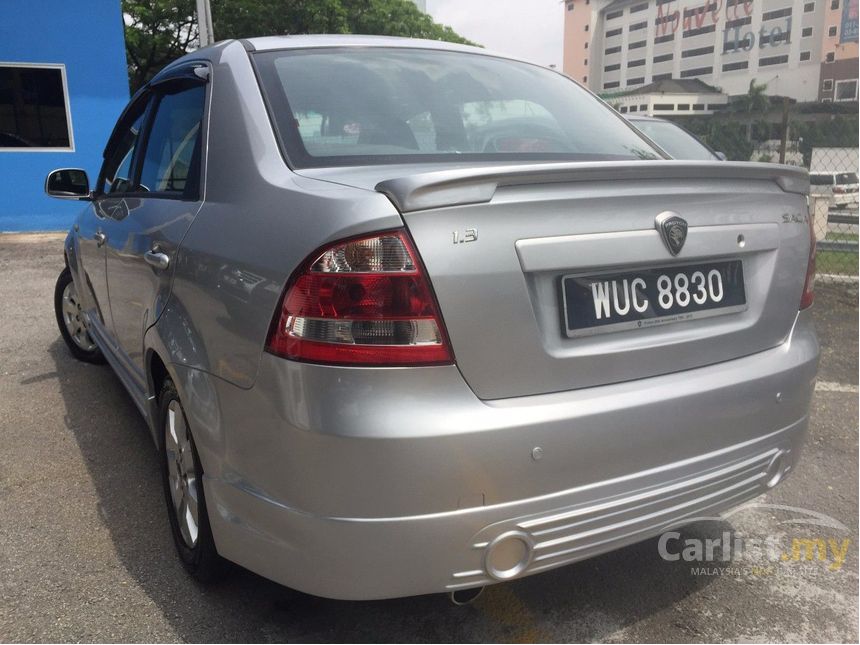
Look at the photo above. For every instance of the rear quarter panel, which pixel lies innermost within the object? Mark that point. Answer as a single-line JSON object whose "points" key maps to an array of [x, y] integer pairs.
{"points": [[258, 222]]}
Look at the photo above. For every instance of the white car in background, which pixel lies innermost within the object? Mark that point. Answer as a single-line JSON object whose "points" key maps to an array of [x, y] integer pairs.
{"points": [[842, 187]]}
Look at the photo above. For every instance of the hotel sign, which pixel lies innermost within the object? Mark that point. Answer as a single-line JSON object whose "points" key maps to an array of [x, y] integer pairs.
{"points": [[712, 12], [848, 31]]}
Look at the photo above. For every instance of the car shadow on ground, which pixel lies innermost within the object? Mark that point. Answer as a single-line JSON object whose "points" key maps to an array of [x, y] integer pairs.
{"points": [[583, 602]]}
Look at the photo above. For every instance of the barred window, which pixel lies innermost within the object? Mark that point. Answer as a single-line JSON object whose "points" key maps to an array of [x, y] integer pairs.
{"points": [[778, 13], [699, 51], [740, 22], [772, 60], [701, 30], [698, 71]]}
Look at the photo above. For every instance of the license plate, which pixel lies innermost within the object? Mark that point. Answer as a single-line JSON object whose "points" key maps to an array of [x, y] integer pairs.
{"points": [[608, 302]]}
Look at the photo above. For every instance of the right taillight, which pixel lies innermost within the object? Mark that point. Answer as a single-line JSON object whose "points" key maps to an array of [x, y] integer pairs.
{"points": [[363, 301], [809, 283]]}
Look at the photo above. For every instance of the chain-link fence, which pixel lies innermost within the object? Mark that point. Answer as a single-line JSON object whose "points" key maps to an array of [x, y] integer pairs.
{"points": [[821, 137], [832, 202]]}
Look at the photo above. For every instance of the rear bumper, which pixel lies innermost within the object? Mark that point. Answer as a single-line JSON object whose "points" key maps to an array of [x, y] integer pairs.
{"points": [[845, 199], [405, 487]]}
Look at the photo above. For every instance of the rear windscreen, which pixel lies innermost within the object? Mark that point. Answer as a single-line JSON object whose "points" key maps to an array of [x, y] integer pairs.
{"points": [[350, 106]]}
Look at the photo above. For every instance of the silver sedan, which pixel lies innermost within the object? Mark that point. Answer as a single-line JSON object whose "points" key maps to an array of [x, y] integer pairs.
{"points": [[406, 317]]}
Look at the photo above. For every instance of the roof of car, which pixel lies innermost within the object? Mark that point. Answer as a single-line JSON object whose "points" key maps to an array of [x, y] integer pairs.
{"points": [[305, 41], [311, 41]]}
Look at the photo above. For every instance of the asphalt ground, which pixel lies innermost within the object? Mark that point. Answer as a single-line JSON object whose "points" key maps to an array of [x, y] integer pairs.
{"points": [[85, 552]]}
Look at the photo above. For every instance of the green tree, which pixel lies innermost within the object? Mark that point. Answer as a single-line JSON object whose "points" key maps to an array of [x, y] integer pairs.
{"points": [[158, 31], [837, 132], [728, 137], [755, 101]]}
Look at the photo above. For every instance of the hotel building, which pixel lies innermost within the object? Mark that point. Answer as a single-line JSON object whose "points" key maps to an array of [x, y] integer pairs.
{"points": [[804, 49]]}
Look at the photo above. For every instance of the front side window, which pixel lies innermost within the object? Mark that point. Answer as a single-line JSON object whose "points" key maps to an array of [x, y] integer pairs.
{"points": [[116, 175], [348, 106], [820, 179], [172, 144], [33, 108], [846, 90]]}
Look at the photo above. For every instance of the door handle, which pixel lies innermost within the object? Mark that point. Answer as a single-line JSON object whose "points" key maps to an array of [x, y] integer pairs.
{"points": [[157, 259], [100, 238]]}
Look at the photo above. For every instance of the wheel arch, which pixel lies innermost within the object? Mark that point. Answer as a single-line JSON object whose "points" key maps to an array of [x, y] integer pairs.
{"points": [[196, 391]]}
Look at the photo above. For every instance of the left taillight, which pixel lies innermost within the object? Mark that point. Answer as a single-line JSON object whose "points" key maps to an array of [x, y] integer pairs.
{"points": [[362, 301], [808, 296]]}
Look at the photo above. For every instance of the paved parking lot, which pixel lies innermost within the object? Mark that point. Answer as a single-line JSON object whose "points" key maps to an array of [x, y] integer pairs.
{"points": [[85, 552]]}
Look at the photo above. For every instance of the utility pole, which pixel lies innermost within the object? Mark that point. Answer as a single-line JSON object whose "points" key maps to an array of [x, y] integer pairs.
{"points": [[204, 23], [784, 137]]}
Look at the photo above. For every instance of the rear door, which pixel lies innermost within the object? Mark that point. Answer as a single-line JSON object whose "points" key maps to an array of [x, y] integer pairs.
{"points": [[156, 213]]}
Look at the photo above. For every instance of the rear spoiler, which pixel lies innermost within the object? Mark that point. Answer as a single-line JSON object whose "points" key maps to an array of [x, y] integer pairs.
{"points": [[478, 185]]}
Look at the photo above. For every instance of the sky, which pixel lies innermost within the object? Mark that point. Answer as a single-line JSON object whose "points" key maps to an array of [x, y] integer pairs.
{"points": [[528, 29]]}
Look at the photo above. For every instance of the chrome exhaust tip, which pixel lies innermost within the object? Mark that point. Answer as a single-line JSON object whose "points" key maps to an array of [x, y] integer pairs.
{"points": [[462, 597]]}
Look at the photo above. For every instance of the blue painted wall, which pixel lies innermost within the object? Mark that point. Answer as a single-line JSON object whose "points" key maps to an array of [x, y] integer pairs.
{"points": [[87, 37]]}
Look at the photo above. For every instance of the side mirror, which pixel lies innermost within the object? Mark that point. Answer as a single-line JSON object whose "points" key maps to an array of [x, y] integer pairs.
{"points": [[721, 155], [68, 183]]}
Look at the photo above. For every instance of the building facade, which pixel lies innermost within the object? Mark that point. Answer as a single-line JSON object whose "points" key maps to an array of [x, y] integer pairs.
{"points": [[838, 76], [678, 97], [784, 44], [63, 83]]}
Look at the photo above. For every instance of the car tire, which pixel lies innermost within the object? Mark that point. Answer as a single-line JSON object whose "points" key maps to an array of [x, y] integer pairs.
{"points": [[182, 476], [70, 320]]}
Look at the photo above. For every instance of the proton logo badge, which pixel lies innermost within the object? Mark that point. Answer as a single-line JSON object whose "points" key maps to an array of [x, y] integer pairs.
{"points": [[673, 230]]}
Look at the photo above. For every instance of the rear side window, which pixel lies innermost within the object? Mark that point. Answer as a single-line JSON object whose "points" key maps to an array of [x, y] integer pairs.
{"points": [[818, 179], [344, 106], [172, 147], [846, 178]]}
